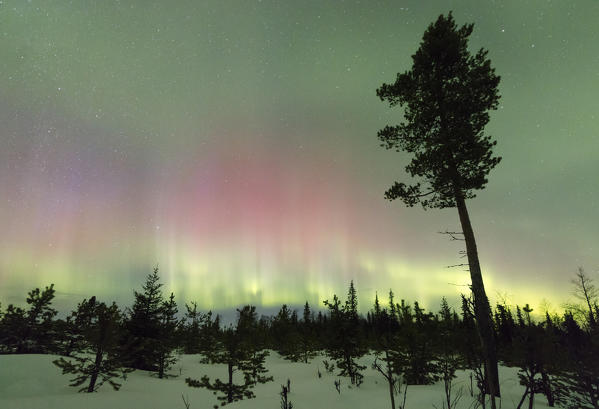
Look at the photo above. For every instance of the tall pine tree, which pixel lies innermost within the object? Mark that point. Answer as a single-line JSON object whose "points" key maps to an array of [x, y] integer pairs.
{"points": [[446, 98]]}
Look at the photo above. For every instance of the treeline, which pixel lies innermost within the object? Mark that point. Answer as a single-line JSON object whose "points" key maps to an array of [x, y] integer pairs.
{"points": [[557, 356]]}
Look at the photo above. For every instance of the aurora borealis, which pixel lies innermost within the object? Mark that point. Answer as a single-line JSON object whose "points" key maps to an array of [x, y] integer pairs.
{"points": [[233, 143]]}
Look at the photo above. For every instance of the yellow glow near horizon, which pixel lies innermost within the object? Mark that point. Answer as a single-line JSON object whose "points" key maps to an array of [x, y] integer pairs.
{"points": [[217, 282]]}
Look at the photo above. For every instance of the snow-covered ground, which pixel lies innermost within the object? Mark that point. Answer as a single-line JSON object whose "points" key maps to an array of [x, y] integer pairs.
{"points": [[33, 382]]}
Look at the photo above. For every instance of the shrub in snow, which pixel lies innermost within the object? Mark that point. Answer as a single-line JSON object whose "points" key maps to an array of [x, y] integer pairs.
{"points": [[329, 367], [285, 402], [238, 350]]}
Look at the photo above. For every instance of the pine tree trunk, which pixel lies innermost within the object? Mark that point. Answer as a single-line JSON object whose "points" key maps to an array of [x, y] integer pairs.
{"points": [[350, 371], [481, 302], [447, 384], [547, 387], [390, 380], [522, 399], [96, 371], [230, 385], [531, 399], [161, 366]]}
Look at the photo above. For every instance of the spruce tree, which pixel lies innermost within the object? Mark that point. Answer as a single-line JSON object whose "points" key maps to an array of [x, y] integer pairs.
{"points": [[446, 98], [448, 359], [199, 332], [416, 335], [209, 332], [471, 349], [506, 330], [167, 339], [577, 383], [307, 336], [96, 358], [254, 341], [345, 344], [285, 332], [388, 356], [144, 326], [531, 349], [392, 306], [552, 358], [192, 333]]}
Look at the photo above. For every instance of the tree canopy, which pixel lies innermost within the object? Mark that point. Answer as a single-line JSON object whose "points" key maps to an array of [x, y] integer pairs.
{"points": [[446, 96]]}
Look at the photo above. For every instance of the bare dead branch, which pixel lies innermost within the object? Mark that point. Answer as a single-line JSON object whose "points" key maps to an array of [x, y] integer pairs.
{"points": [[459, 285], [453, 235], [458, 265]]}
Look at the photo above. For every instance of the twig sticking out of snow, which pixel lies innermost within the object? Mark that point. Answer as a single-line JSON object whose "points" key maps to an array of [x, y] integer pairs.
{"points": [[185, 401]]}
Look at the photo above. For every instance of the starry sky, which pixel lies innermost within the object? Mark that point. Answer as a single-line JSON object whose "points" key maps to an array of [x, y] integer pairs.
{"points": [[233, 144]]}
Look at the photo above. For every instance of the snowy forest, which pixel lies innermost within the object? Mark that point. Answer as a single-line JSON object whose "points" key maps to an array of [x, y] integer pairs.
{"points": [[274, 202], [556, 356]]}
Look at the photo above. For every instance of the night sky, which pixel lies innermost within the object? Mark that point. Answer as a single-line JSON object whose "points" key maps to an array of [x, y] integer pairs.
{"points": [[233, 144]]}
